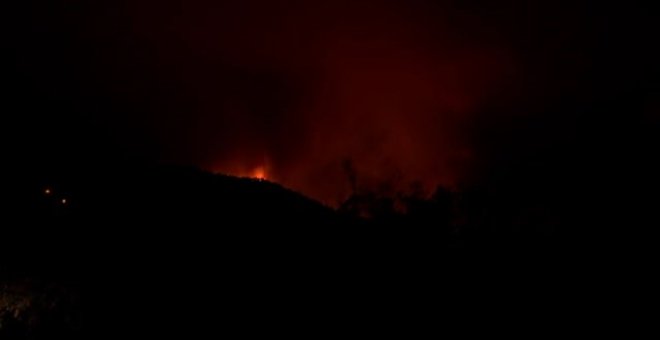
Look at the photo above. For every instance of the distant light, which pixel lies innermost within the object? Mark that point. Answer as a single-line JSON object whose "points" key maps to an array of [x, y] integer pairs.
{"points": [[48, 191], [64, 201], [259, 173]]}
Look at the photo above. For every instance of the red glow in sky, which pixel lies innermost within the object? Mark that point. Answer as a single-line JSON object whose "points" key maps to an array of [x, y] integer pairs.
{"points": [[383, 88], [379, 85], [337, 95], [259, 173]]}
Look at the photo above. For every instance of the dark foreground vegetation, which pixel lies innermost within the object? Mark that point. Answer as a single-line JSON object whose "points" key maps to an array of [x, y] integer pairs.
{"points": [[169, 250]]}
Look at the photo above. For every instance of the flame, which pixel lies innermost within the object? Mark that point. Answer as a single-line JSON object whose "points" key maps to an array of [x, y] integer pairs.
{"points": [[259, 173]]}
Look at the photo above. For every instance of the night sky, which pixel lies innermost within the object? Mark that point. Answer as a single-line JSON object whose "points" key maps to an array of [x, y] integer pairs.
{"points": [[332, 96]]}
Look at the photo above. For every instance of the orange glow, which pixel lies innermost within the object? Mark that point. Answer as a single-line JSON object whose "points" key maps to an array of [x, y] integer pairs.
{"points": [[259, 173], [256, 172], [48, 191], [64, 201]]}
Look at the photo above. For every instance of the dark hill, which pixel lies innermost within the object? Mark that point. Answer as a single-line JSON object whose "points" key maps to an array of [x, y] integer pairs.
{"points": [[164, 251], [157, 245], [110, 214]]}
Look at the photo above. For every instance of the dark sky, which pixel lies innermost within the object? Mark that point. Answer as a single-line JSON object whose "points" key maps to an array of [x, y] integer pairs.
{"points": [[314, 92]]}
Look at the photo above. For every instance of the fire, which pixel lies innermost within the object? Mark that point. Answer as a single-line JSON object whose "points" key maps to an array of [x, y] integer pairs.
{"points": [[259, 173]]}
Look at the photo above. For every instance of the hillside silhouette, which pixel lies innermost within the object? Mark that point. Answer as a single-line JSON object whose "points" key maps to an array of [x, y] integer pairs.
{"points": [[131, 250], [146, 244]]}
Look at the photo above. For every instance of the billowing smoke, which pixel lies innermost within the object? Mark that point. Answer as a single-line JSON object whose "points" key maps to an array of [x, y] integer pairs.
{"points": [[302, 90], [329, 97]]}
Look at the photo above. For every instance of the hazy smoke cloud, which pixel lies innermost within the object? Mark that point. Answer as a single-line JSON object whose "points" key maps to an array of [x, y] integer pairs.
{"points": [[301, 88], [328, 97]]}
